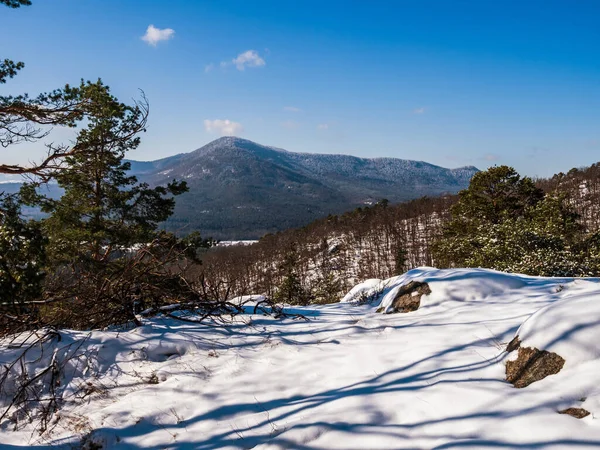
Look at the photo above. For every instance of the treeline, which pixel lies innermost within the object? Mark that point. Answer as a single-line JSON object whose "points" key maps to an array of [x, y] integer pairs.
{"points": [[506, 222], [581, 186], [541, 227], [330, 255]]}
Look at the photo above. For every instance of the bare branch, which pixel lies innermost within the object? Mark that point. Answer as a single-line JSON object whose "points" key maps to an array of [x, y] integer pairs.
{"points": [[17, 121]]}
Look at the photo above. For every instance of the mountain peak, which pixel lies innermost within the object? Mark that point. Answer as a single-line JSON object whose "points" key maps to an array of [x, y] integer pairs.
{"points": [[228, 144], [229, 140], [241, 189]]}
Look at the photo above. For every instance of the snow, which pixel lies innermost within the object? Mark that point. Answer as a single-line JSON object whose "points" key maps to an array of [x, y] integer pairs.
{"points": [[569, 327], [248, 300], [459, 285], [345, 376], [234, 243], [364, 291]]}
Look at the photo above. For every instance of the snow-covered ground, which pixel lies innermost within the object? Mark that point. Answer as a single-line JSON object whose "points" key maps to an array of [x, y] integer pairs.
{"points": [[347, 377], [234, 243]]}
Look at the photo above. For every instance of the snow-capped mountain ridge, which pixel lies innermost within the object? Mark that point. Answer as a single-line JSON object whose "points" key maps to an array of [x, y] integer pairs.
{"points": [[282, 189]]}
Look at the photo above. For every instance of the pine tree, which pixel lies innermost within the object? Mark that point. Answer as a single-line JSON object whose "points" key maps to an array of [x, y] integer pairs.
{"points": [[22, 257], [15, 3], [504, 222], [495, 194], [328, 288], [106, 256], [400, 260], [291, 290], [104, 210]]}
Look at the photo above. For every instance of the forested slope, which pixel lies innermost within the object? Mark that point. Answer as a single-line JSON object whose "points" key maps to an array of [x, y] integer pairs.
{"points": [[330, 255]]}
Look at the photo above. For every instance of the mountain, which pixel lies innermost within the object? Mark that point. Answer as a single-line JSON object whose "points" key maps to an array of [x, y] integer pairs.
{"points": [[240, 189]]}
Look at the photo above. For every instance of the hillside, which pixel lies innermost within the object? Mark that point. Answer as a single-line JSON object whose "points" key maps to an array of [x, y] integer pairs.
{"points": [[370, 242], [346, 377], [242, 190]]}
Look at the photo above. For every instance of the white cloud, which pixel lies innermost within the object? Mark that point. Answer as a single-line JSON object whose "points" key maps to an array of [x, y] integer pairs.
{"points": [[491, 157], [420, 110], [291, 109], [154, 35], [223, 127], [249, 58], [323, 126]]}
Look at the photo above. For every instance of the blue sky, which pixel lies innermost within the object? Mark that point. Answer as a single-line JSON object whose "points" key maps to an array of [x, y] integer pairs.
{"points": [[449, 82]]}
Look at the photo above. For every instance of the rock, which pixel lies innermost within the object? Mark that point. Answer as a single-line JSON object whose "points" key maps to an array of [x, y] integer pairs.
{"points": [[531, 364], [513, 345], [408, 297], [578, 413]]}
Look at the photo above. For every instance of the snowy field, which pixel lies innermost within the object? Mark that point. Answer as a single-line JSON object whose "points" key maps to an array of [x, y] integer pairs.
{"points": [[347, 377]]}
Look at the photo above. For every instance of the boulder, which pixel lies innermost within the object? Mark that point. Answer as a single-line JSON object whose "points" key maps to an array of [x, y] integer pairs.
{"points": [[578, 413], [408, 297], [531, 364]]}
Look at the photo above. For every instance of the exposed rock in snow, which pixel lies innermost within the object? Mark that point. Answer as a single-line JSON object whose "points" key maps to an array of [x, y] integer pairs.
{"points": [[408, 297], [569, 326], [578, 413], [563, 333], [451, 286], [532, 365]]}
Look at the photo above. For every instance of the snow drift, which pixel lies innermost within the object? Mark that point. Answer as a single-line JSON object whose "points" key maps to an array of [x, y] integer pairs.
{"points": [[344, 376]]}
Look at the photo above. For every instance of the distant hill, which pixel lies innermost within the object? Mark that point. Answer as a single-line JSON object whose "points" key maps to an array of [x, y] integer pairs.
{"points": [[242, 190]]}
